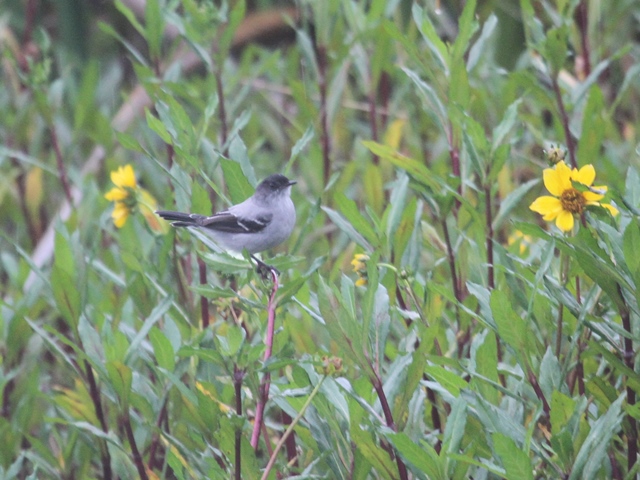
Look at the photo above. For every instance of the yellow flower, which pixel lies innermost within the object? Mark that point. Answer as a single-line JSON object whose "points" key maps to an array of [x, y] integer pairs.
{"points": [[523, 240], [568, 201], [123, 194], [359, 264], [128, 198]]}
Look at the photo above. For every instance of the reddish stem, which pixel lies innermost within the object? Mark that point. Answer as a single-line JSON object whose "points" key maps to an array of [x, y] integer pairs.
{"points": [[263, 391]]}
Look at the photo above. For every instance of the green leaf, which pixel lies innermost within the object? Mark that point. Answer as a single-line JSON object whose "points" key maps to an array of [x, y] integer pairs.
{"points": [[454, 429], [130, 16], [200, 200], [501, 131], [594, 449], [238, 152], [415, 169], [467, 27], [344, 225], [422, 457], [235, 180], [155, 315], [225, 263], [120, 376], [374, 454], [515, 461], [450, 381], [511, 201], [594, 127], [479, 48], [155, 27], [129, 142], [373, 188], [555, 48], [162, 349], [562, 409], [349, 209], [459, 88], [562, 444], [66, 295], [486, 360], [430, 98], [343, 327], [435, 45], [157, 126], [511, 327], [598, 266], [300, 145], [630, 243], [228, 31]]}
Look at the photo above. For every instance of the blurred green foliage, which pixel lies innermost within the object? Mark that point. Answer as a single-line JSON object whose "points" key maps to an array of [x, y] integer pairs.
{"points": [[471, 340]]}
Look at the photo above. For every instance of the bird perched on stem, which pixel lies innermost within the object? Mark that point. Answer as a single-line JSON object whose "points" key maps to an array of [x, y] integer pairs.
{"points": [[261, 222]]}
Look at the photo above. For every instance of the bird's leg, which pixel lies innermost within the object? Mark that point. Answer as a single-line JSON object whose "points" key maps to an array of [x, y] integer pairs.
{"points": [[264, 269]]}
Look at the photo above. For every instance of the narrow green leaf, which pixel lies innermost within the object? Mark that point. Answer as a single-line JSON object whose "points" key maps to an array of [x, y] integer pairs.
{"points": [[120, 376], [435, 45], [429, 98], [415, 169], [349, 209], [129, 142], [515, 461], [422, 457], [66, 295], [555, 48], [479, 47], [155, 27], [506, 124], [155, 315], [374, 454], [162, 349], [130, 16], [238, 152], [157, 126], [562, 409], [344, 225], [594, 127], [511, 201], [373, 188], [511, 327], [467, 27], [450, 381], [631, 241], [239, 188], [594, 449]]}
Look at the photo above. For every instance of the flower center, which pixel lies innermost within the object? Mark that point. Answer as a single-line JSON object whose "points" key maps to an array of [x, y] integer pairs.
{"points": [[572, 201]]}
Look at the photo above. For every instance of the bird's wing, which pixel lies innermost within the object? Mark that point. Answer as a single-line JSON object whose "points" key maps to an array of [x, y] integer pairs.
{"points": [[230, 223]]}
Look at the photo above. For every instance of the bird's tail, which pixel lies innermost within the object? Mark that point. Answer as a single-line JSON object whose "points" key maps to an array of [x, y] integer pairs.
{"points": [[179, 219]]}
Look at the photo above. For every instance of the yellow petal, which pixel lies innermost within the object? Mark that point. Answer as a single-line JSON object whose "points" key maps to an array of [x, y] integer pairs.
{"points": [[614, 211], [116, 194], [361, 282], [546, 205], [393, 134], [565, 221], [557, 179], [120, 214], [124, 177], [591, 197], [586, 175]]}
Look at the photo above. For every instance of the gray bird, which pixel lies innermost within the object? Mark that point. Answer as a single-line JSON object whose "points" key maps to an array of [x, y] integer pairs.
{"points": [[261, 222]]}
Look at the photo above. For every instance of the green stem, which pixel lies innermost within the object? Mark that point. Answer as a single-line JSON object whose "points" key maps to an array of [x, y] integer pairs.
{"points": [[290, 428]]}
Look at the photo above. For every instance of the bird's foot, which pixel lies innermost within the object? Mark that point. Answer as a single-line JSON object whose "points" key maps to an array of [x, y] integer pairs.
{"points": [[263, 269]]}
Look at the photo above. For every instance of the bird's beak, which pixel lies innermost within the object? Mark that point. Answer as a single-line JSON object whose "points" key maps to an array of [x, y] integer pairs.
{"points": [[292, 182]]}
